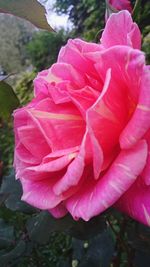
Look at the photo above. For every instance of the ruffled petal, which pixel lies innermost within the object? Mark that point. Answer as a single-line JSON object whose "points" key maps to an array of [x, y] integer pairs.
{"points": [[140, 121], [74, 171], [67, 72], [96, 196], [40, 194], [57, 121], [120, 30]]}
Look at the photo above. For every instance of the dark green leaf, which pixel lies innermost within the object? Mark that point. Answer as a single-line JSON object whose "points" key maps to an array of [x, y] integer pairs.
{"points": [[85, 230], [78, 249], [40, 227], [142, 259], [137, 10], [100, 251], [28, 9], [3, 197], [16, 253], [13, 188], [6, 234], [8, 100]]}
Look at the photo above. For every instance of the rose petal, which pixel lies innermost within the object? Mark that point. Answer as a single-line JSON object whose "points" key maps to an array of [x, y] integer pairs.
{"points": [[140, 121], [65, 118], [95, 197], [74, 171], [40, 194], [121, 4], [59, 211], [120, 30], [136, 202], [67, 72]]}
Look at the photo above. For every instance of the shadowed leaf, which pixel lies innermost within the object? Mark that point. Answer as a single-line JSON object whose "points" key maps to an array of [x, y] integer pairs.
{"points": [[27, 9], [8, 100]]}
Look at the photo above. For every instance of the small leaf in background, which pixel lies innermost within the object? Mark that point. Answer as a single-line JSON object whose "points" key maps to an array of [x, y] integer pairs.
{"points": [[27, 9], [8, 100], [13, 189], [137, 10], [6, 235]]}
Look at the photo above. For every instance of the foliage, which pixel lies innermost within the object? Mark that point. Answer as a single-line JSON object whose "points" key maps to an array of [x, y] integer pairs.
{"points": [[87, 16], [44, 47], [141, 13], [6, 145], [146, 44], [13, 56], [24, 87], [8, 100]]}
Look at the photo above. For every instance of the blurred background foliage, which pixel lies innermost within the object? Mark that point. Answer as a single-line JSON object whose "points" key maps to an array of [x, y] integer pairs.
{"points": [[44, 47], [25, 50]]}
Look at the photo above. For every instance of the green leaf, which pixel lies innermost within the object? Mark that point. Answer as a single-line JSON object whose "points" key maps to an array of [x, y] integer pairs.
{"points": [[3, 197], [27, 9], [8, 100], [6, 234], [137, 10], [85, 230], [13, 189], [16, 253], [41, 226], [100, 251]]}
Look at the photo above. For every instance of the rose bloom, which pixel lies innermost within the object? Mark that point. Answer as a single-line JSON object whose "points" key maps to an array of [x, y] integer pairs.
{"points": [[121, 4], [83, 142]]}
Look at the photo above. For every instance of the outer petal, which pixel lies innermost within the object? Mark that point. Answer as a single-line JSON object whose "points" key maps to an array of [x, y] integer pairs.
{"points": [[59, 211], [94, 197], [139, 124], [136, 202], [120, 30], [40, 194], [146, 173]]}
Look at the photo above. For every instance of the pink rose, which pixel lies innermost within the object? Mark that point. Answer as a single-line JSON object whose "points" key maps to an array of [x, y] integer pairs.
{"points": [[83, 142]]}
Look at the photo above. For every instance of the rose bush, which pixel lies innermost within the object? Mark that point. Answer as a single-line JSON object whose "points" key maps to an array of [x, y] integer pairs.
{"points": [[83, 142]]}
